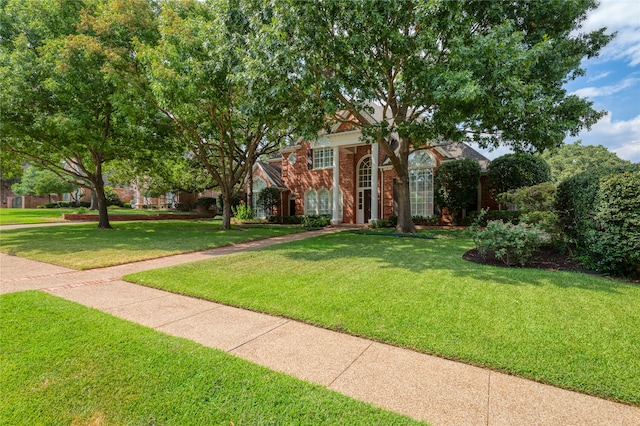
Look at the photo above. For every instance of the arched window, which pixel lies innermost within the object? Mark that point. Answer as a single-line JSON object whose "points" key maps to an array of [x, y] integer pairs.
{"points": [[310, 202], [364, 173], [324, 201], [421, 164], [258, 185]]}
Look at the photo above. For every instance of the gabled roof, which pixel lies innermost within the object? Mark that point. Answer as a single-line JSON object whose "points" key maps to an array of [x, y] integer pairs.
{"points": [[460, 150], [272, 172]]}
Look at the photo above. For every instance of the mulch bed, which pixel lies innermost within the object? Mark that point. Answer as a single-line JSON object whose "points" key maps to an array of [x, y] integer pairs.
{"points": [[548, 258]]}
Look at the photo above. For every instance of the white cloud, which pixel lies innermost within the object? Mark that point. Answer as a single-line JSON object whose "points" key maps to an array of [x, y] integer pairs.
{"points": [[599, 76], [593, 92], [621, 137], [621, 16]]}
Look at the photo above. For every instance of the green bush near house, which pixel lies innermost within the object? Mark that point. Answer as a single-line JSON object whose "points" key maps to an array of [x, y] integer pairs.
{"points": [[599, 210], [513, 244], [316, 221]]}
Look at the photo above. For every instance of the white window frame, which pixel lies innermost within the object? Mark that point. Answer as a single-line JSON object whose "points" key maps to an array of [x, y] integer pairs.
{"points": [[310, 201], [323, 158], [421, 194]]}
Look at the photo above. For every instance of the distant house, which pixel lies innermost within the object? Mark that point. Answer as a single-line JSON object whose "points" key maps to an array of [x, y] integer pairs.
{"points": [[338, 170]]}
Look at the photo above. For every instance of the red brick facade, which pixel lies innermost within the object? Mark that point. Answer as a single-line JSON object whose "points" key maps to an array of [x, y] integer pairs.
{"points": [[298, 177]]}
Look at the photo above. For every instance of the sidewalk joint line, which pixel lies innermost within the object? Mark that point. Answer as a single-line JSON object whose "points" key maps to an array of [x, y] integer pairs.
{"points": [[258, 336], [350, 364], [184, 318]]}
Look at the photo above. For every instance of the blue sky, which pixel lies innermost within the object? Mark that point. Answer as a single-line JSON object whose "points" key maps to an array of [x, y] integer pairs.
{"points": [[612, 81]]}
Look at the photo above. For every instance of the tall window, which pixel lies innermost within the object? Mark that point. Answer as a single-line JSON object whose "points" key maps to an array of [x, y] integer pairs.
{"points": [[310, 202], [322, 158], [421, 165], [324, 201], [321, 202], [258, 185]]}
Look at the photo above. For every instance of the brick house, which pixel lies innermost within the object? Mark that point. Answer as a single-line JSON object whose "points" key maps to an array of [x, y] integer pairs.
{"points": [[339, 175]]}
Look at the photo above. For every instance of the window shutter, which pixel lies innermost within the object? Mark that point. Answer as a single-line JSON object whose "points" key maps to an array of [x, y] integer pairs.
{"points": [[310, 159]]}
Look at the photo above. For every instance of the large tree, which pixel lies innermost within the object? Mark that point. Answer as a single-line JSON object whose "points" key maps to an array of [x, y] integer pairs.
{"points": [[571, 159], [66, 103], [490, 72], [224, 80], [39, 182]]}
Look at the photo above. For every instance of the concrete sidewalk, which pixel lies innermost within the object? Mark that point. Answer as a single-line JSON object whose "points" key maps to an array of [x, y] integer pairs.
{"points": [[439, 391]]}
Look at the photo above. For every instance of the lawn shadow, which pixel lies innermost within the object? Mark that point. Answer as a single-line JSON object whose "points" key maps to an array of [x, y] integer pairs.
{"points": [[433, 251]]}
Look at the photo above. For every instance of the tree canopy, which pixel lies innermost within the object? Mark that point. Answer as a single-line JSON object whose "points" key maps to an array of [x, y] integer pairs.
{"points": [[456, 185], [224, 81], [490, 72], [513, 171], [571, 159], [36, 181], [68, 103]]}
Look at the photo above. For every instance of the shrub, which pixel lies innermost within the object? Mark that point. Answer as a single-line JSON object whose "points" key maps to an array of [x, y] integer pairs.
{"points": [[613, 243], [242, 212], [235, 201], [126, 205], [51, 206], [540, 197], [430, 220], [510, 243], [316, 221], [393, 221], [382, 223], [292, 220], [112, 197], [456, 185], [64, 204], [81, 210], [576, 200], [482, 218], [268, 198], [206, 202], [513, 171]]}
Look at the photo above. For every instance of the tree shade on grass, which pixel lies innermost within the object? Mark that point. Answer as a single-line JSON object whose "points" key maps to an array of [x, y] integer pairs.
{"points": [[67, 364], [570, 330], [85, 247]]}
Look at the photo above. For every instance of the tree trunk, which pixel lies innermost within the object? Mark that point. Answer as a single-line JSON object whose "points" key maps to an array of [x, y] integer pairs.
{"points": [[94, 200], [250, 188], [226, 210], [103, 215], [405, 222]]}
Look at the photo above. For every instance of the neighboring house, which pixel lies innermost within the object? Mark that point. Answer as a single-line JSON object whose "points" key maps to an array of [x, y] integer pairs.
{"points": [[352, 181]]}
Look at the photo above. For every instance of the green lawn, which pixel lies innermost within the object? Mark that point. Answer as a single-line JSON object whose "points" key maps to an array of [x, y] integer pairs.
{"points": [[84, 246], [571, 330], [65, 364], [26, 216]]}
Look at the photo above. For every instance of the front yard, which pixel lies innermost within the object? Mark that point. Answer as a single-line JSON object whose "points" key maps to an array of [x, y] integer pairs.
{"points": [[65, 364], [567, 329], [83, 246]]}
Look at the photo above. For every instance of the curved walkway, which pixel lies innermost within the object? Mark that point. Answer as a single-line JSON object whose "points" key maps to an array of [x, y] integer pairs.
{"points": [[424, 387]]}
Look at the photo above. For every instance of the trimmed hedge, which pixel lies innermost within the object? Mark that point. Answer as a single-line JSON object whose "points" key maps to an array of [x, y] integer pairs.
{"points": [[599, 211], [513, 171]]}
